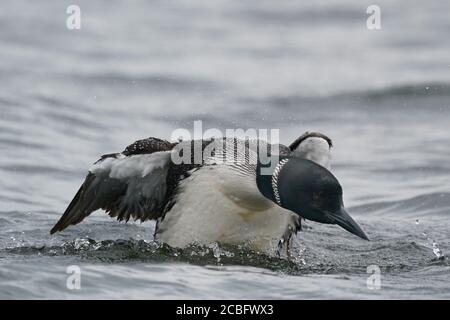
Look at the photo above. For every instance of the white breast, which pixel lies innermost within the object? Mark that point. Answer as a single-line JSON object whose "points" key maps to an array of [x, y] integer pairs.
{"points": [[216, 204]]}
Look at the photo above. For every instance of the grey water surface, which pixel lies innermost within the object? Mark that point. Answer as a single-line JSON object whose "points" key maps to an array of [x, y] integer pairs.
{"points": [[144, 68]]}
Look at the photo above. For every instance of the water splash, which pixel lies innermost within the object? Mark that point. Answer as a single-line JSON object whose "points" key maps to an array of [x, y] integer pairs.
{"points": [[218, 252], [433, 245], [437, 251], [117, 251]]}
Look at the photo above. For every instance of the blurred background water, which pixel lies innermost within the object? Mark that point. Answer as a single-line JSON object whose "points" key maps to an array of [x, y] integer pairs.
{"points": [[144, 68]]}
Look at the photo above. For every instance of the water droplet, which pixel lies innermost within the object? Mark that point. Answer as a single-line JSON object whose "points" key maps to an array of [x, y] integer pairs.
{"points": [[437, 252]]}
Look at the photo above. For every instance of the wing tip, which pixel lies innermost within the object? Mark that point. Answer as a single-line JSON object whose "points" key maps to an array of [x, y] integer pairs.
{"points": [[73, 207], [57, 227]]}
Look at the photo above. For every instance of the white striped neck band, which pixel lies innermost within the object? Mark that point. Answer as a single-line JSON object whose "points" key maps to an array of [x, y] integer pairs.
{"points": [[275, 175]]}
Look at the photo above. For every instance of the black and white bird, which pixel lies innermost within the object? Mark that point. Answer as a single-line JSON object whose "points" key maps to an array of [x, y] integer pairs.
{"points": [[222, 196]]}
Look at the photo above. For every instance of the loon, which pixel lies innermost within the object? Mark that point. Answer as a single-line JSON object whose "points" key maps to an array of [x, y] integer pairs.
{"points": [[212, 198]]}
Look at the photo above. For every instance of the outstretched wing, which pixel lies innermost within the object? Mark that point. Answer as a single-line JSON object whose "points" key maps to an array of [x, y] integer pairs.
{"points": [[128, 184]]}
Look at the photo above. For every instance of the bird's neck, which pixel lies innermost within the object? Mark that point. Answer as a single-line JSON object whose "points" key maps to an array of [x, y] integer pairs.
{"points": [[265, 175]]}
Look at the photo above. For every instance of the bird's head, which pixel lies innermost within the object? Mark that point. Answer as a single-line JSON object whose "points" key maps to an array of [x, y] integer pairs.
{"points": [[309, 190]]}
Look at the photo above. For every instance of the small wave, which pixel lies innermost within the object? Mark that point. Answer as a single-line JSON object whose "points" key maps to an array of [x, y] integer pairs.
{"points": [[419, 90], [352, 98], [295, 16], [14, 142], [159, 82], [30, 169], [389, 255], [407, 90], [120, 250], [61, 104], [428, 204]]}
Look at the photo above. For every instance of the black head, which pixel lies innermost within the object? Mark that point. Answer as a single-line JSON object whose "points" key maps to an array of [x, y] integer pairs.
{"points": [[311, 191]]}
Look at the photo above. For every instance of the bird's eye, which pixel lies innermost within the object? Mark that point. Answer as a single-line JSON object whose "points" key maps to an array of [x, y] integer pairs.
{"points": [[316, 197]]}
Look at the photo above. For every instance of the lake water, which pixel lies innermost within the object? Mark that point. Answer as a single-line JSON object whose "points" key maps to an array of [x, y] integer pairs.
{"points": [[145, 68]]}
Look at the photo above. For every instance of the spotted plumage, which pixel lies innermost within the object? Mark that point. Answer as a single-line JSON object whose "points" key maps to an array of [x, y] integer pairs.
{"points": [[212, 200]]}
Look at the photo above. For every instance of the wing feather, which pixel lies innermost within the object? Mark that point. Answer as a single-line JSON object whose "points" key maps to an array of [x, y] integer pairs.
{"points": [[125, 186]]}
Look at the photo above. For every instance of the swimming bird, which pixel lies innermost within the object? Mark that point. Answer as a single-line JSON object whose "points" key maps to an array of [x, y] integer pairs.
{"points": [[216, 190]]}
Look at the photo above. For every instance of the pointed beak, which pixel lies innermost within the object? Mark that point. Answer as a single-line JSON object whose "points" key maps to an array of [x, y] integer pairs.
{"points": [[343, 219]]}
